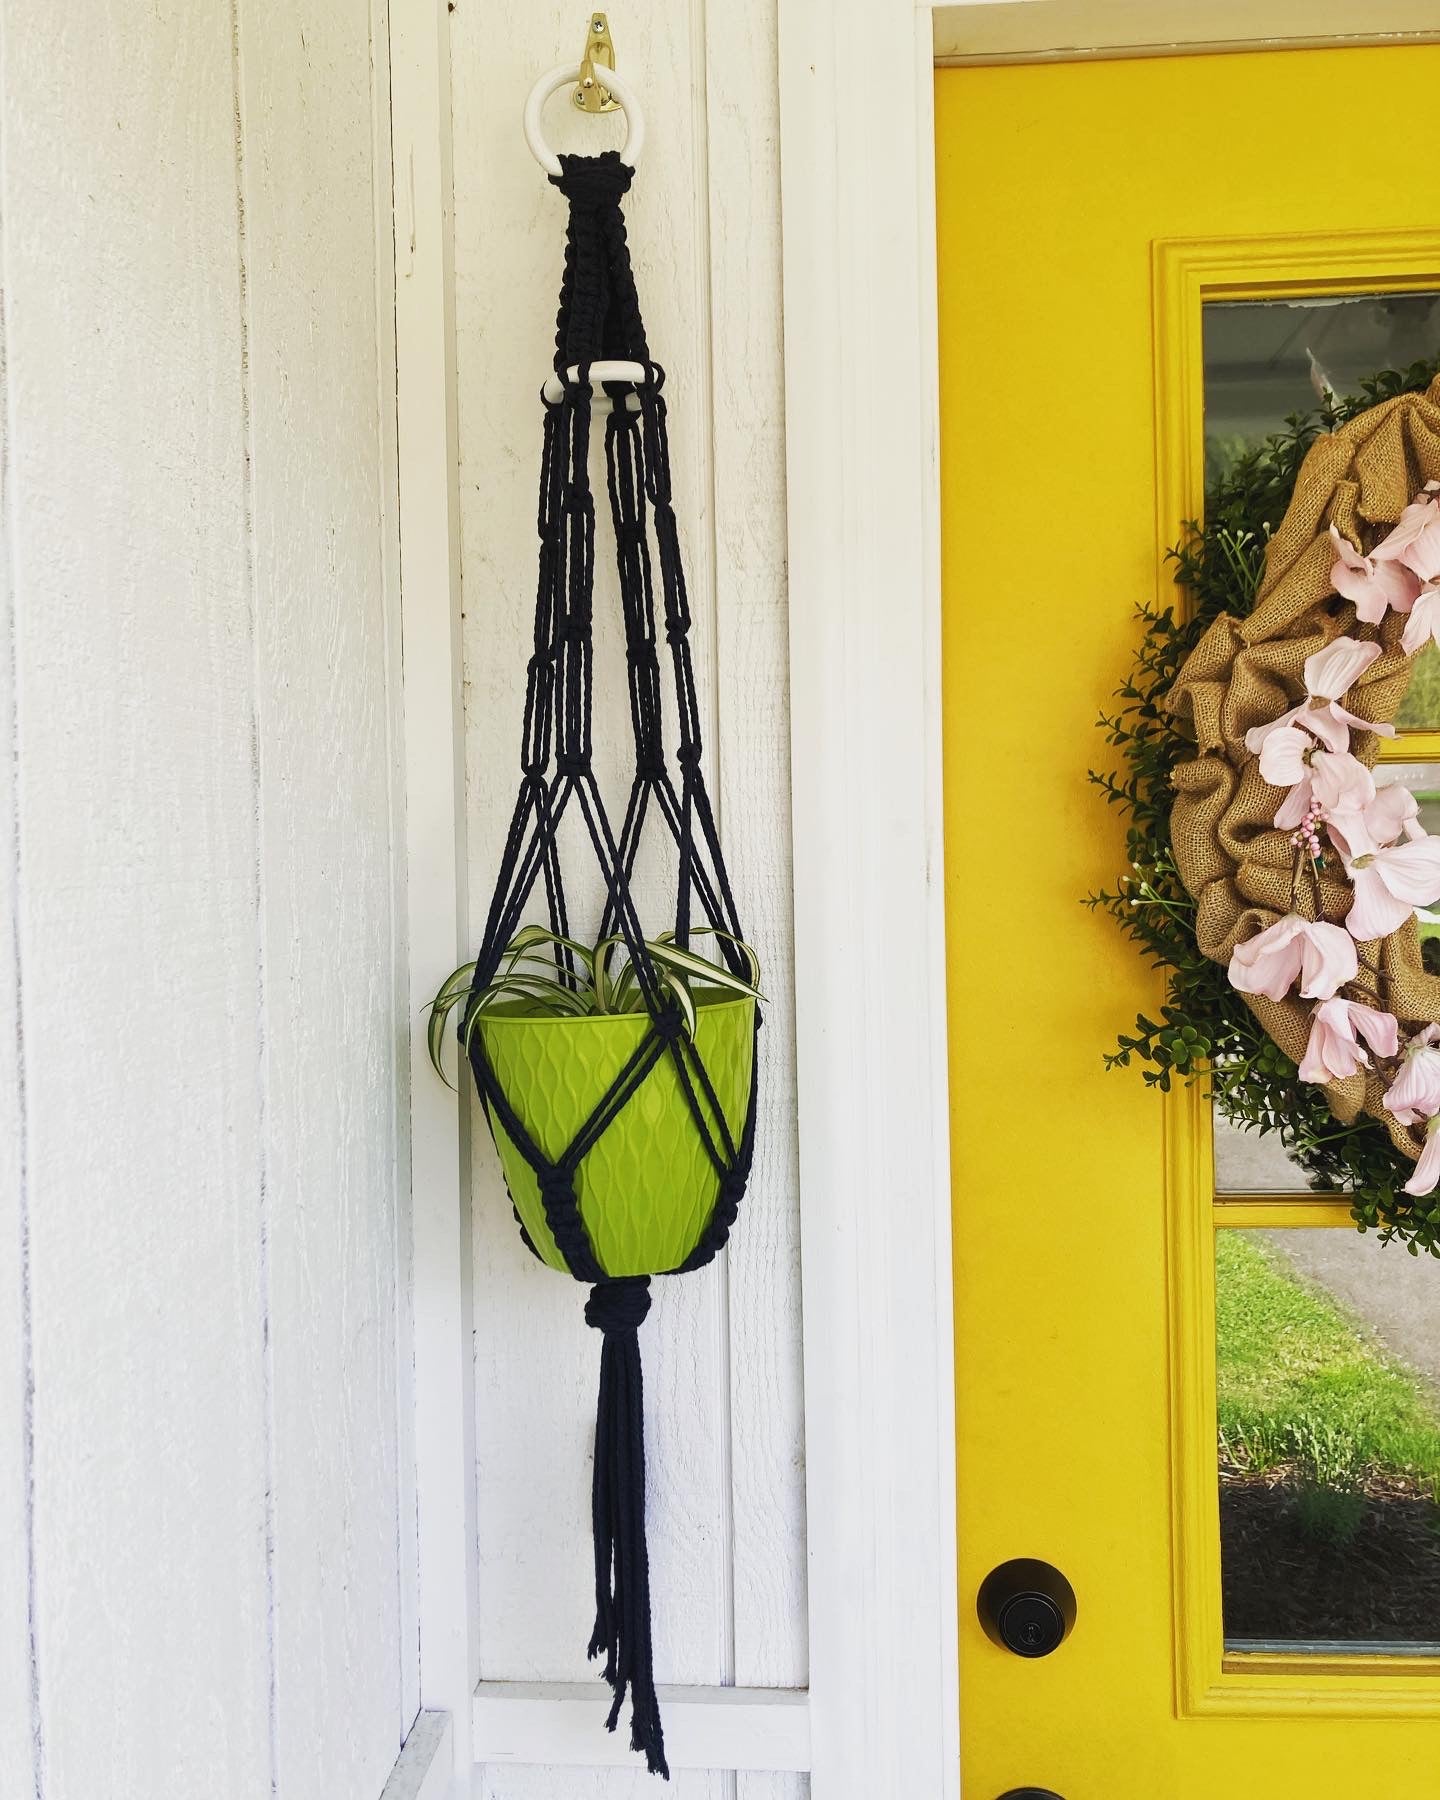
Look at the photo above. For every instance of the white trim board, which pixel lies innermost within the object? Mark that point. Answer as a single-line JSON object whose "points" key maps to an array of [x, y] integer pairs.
{"points": [[862, 485], [424, 1767], [562, 1724], [443, 1376], [1048, 30], [384, 190]]}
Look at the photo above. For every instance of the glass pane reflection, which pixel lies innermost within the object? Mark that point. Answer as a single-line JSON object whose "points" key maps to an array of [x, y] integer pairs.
{"points": [[1247, 1162], [1328, 1360], [1266, 359], [1420, 709]]}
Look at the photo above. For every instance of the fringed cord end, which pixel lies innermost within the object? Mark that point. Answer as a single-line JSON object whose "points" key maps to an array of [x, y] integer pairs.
{"points": [[622, 1565]]}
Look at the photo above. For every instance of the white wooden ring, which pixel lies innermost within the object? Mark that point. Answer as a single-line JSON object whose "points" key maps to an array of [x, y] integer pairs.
{"points": [[600, 372], [568, 75]]}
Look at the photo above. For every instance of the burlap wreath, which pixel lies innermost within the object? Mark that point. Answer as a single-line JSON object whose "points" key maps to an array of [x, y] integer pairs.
{"points": [[1236, 864]]}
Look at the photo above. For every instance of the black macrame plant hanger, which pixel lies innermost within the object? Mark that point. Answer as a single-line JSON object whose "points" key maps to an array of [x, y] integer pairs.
{"points": [[599, 319]]}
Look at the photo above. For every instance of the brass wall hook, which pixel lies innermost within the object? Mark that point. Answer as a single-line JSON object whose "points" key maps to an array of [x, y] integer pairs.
{"points": [[591, 95]]}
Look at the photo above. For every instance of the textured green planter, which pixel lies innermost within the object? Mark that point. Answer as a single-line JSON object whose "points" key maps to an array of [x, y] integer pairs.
{"points": [[647, 1188]]}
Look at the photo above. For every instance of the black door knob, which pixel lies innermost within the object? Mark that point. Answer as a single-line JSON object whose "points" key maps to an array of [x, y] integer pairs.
{"points": [[1031, 1794], [1027, 1607]]}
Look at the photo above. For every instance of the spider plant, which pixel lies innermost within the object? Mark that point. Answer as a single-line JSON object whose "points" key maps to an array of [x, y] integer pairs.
{"points": [[558, 977]]}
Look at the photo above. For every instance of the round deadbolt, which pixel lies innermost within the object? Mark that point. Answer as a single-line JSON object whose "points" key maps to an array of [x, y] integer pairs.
{"points": [[1027, 1607], [1031, 1794]]}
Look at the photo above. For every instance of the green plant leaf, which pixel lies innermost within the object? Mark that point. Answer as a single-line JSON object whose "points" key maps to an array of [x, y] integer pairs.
{"points": [[605, 983], [544, 967], [752, 961], [686, 962], [625, 995], [553, 996], [451, 992]]}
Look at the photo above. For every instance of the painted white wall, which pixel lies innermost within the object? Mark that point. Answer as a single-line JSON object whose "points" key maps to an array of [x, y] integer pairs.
{"points": [[206, 1533], [721, 1349]]}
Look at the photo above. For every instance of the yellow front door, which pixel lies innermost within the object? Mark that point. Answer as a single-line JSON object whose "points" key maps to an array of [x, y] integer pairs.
{"points": [[1096, 221]]}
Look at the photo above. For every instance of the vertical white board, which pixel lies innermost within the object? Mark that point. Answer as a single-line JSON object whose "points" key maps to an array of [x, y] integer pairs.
{"points": [[752, 743], [327, 951], [536, 1361], [721, 1349], [137, 836], [17, 1712], [201, 1168]]}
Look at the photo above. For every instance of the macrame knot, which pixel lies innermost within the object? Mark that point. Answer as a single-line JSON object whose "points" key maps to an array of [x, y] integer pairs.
{"points": [[593, 183], [555, 1184], [667, 1024], [619, 1305], [727, 1202]]}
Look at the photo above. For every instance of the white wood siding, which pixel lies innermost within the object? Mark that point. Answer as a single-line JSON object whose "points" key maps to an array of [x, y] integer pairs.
{"points": [[721, 1349], [202, 1487]]}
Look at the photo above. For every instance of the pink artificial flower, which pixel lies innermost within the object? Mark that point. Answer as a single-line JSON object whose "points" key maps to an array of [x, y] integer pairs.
{"points": [[1414, 1094], [1322, 955], [1423, 625], [1329, 675], [1334, 1052], [1333, 780], [1389, 814], [1392, 814], [1427, 1171], [1414, 540], [1372, 585], [1390, 884]]}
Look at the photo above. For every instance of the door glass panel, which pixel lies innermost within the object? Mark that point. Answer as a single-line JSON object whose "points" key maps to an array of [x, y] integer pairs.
{"points": [[1328, 1441], [1267, 359]]}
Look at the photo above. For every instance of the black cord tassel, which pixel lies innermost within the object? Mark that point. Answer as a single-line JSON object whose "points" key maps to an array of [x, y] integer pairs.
{"points": [[622, 1563]]}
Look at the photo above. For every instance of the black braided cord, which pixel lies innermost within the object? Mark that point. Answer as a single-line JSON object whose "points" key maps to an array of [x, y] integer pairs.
{"points": [[599, 319]]}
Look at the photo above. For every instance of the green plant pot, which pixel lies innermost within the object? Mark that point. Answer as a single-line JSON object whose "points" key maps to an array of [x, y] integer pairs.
{"points": [[646, 1189]]}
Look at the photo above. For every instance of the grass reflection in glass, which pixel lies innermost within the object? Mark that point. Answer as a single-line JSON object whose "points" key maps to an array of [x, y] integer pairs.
{"points": [[1420, 710], [1329, 1455]]}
